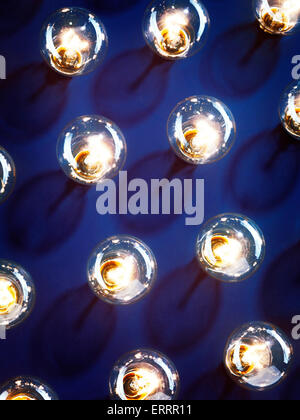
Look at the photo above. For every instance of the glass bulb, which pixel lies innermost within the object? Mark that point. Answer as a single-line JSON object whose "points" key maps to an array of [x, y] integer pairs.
{"points": [[175, 28], [279, 17], [122, 270], [17, 294], [201, 130], [289, 110], [26, 389], [91, 149], [7, 175], [230, 247], [258, 356], [73, 41], [144, 375]]}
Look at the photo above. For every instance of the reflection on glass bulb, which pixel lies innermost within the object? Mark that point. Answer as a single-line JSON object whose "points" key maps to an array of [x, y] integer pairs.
{"points": [[122, 270], [91, 149], [290, 110], [175, 29], [258, 356], [17, 294], [230, 247], [7, 175], [201, 130], [26, 389], [144, 375], [278, 16], [73, 41]]}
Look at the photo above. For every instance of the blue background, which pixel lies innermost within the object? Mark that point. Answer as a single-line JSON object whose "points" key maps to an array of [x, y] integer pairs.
{"points": [[50, 225]]}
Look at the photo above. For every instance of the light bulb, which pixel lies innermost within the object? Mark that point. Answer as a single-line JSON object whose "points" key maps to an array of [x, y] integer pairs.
{"points": [[278, 16], [258, 355], [73, 41], [201, 130], [175, 28], [7, 175], [122, 270], [144, 375], [289, 110], [26, 389], [230, 247], [91, 149], [17, 294]]}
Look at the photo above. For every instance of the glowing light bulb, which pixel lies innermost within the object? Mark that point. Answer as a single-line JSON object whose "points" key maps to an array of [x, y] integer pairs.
{"points": [[258, 355], [26, 389], [289, 110], [17, 294], [91, 149], [175, 29], [230, 247], [201, 130], [73, 41], [144, 375], [279, 17], [7, 175], [122, 270]]}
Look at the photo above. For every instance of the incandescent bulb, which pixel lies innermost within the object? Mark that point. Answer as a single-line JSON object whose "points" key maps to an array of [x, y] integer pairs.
{"points": [[7, 175], [26, 389], [230, 247], [201, 130], [144, 375], [289, 110], [122, 270], [257, 356], [73, 41], [175, 28], [91, 149], [278, 16]]}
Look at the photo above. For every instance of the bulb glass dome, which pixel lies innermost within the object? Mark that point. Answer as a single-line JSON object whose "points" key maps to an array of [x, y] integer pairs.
{"points": [[73, 41], [7, 175], [230, 247], [26, 389], [176, 29], [290, 110]]}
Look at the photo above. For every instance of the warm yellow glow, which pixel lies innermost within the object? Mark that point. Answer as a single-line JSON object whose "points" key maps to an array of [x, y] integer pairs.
{"points": [[244, 358], [224, 251], [118, 273], [281, 18], [140, 384], [175, 39], [203, 141], [72, 42], [8, 296], [21, 397]]}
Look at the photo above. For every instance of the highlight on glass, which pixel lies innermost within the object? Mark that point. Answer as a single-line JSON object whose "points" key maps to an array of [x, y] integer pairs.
{"points": [[91, 149], [278, 17], [144, 375], [73, 41], [201, 130], [7, 175], [17, 294], [230, 247], [258, 356], [122, 270], [176, 29], [26, 389], [289, 110]]}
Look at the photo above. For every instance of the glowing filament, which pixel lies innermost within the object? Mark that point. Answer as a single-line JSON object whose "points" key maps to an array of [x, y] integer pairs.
{"points": [[140, 384], [21, 397], [202, 141], [8, 296], [175, 39], [280, 18], [69, 53], [224, 251], [244, 359], [118, 273]]}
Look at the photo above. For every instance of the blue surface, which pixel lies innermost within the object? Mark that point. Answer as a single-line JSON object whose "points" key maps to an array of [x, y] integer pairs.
{"points": [[50, 226]]}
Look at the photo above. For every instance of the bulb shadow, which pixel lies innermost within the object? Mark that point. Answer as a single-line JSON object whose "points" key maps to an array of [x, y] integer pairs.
{"points": [[279, 298], [111, 6], [73, 333], [167, 166], [44, 213], [215, 385], [272, 158], [32, 100], [182, 309], [130, 95], [14, 14], [236, 71]]}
